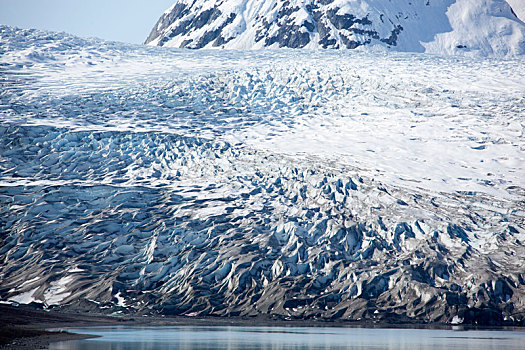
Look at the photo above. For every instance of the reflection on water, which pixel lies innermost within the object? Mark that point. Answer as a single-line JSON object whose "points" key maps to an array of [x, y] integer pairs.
{"points": [[288, 338]]}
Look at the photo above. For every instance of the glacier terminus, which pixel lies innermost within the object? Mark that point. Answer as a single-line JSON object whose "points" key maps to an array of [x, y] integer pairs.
{"points": [[309, 160]]}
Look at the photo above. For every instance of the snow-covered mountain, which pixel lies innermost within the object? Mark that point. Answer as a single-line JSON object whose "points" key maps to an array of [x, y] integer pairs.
{"points": [[472, 27], [518, 7], [306, 184]]}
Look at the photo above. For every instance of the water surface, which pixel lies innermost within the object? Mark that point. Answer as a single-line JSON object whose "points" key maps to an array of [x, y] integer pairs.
{"points": [[288, 338]]}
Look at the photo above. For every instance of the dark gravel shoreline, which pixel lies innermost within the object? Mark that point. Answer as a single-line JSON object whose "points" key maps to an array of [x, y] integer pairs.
{"points": [[41, 341], [25, 327], [28, 328]]}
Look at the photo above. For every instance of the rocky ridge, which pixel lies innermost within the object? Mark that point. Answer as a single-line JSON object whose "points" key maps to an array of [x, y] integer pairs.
{"points": [[468, 27]]}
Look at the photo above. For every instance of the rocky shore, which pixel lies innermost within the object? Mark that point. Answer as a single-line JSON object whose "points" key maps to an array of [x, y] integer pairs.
{"points": [[25, 327]]}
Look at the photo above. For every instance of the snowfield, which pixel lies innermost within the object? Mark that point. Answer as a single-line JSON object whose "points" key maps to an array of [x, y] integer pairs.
{"points": [[297, 184]]}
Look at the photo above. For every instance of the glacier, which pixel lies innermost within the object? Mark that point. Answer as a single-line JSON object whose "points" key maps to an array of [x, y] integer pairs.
{"points": [[290, 184], [459, 27]]}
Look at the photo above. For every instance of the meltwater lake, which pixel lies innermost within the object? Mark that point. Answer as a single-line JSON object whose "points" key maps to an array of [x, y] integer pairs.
{"points": [[285, 338]]}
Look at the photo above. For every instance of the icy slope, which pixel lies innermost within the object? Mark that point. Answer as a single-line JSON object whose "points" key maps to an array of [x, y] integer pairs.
{"points": [[470, 27], [283, 183], [518, 6]]}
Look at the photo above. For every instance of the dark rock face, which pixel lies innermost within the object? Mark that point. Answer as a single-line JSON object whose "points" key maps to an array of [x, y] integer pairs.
{"points": [[288, 33], [179, 10], [316, 23], [195, 23]]}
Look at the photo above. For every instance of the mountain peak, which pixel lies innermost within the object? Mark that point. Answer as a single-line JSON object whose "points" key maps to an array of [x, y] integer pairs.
{"points": [[488, 27]]}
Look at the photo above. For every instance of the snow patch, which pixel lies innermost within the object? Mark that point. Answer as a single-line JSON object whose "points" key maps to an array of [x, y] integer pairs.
{"points": [[24, 298], [58, 291], [456, 320], [120, 300]]}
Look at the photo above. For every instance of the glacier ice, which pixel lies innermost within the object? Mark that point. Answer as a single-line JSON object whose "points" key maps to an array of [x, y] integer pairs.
{"points": [[292, 184]]}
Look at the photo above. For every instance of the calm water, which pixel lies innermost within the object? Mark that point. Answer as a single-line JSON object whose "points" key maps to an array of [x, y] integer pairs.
{"points": [[287, 338]]}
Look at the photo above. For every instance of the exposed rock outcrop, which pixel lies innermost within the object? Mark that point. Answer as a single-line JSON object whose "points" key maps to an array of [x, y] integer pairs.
{"points": [[470, 27]]}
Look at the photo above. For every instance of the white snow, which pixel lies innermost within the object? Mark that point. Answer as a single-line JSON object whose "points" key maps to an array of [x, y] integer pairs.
{"points": [[24, 298], [120, 300], [457, 320], [480, 27], [418, 121], [519, 8], [76, 269], [58, 291]]}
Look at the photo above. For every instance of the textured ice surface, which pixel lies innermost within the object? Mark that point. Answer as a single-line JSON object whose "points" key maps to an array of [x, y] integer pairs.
{"points": [[296, 184]]}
